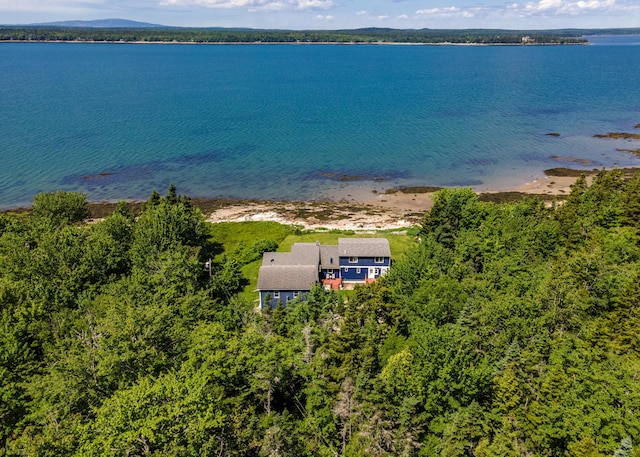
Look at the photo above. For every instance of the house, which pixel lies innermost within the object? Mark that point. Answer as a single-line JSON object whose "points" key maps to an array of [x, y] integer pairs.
{"points": [[363, 259], [285, 276]]}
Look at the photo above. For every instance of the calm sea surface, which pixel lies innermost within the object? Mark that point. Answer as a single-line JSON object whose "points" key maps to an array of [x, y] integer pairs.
{"points": [[287, 121]]}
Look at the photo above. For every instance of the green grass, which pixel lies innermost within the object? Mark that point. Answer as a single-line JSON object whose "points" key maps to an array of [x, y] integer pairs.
{"points": [[250, 271], [229, 237]]}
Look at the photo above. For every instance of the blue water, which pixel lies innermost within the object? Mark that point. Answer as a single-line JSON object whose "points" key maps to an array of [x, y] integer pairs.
{"points": [[615, 40], [285, 121]]}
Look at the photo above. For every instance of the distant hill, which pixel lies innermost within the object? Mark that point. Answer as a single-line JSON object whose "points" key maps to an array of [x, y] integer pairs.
{"points": [[101, 23]]}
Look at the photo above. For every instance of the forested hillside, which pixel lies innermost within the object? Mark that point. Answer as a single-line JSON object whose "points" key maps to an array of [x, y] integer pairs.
{"points": [[370, 35], [507, 330]]}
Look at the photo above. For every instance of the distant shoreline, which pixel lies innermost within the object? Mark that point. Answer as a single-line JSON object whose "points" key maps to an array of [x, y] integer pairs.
{"points": [[372, 35], [295, 43]]}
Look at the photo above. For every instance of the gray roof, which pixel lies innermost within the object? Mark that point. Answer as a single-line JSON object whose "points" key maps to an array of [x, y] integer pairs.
{"points": [[327, 254], [276, 258], [301, 254], [306, 253], [364, 247], [287, 277]]}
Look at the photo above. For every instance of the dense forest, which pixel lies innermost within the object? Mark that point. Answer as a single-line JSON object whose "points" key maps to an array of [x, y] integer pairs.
{"points": [[505, 330], [369, 35]]}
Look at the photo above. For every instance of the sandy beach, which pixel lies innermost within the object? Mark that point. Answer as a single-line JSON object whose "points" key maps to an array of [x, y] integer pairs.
{"points": [[363, 210]]}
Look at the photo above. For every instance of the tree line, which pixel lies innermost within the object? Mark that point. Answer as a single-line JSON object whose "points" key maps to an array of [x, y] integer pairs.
{"points": [[371, 35], [507, 329]]}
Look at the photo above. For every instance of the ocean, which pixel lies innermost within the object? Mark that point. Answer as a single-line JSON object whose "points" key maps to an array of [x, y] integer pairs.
{"points": [[117, 121]]}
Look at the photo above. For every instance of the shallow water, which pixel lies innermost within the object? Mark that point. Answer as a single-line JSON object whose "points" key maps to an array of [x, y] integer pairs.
{"points": [[297, 122]]}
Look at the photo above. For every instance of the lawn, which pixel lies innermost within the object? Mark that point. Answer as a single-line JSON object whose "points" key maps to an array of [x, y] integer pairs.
{"points": [[229, 237]]}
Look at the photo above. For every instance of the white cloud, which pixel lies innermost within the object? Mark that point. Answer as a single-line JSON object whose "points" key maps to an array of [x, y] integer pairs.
{"points": [[313, 4], [361, 13], [568, 7], [549, 4], [448, 11], [269, 6], [542, 8], [255, 5], [403, 17], [327, 18]]}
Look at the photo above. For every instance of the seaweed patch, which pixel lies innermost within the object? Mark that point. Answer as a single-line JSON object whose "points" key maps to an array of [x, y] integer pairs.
{"points": [[572, 159], [355, 175], [114, 175], [618, 135], [413, 190]]}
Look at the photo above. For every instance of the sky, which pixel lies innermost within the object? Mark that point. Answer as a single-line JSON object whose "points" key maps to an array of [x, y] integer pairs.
{"points": [[336, 14]]}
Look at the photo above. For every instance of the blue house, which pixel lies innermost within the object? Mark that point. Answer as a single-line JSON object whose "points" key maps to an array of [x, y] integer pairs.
{"points": [[285, 276], [363, 259]]}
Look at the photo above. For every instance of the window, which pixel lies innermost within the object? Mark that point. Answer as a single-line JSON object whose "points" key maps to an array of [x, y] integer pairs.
{"points": [[296, 294], [358, 270], [353, 260], [378, 259], [376, 272], [276, 294]]}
